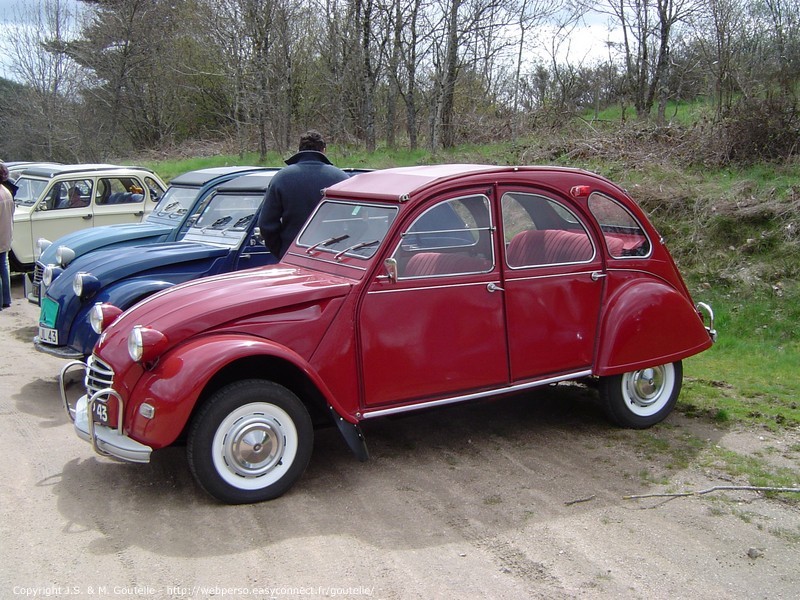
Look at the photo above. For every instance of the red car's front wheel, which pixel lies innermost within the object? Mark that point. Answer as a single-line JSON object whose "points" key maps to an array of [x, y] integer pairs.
{"points": [[250, 442]]}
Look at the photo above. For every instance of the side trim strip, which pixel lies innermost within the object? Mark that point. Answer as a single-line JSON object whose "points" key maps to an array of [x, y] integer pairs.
{"points": [[382, 412]]}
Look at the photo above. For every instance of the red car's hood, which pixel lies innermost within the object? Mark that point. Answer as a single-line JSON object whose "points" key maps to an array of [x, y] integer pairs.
{"points": [[232, 301]]}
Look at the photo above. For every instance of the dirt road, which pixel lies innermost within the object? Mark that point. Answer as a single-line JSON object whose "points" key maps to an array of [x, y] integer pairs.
{"points": [[518, 498]]}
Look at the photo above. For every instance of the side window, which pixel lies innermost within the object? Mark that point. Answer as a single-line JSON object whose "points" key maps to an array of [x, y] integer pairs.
{"points": [[76, 193], [623, 234], [540, 231], [156, 191], [451, 238], [119, 190]]}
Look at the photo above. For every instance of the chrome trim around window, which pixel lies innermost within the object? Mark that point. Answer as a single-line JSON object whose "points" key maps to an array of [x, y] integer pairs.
{"points": [[383, 412]]}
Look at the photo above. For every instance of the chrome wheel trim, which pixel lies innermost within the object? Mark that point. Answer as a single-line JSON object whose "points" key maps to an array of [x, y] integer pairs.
{"points": [[254, 446], [647, 391]]}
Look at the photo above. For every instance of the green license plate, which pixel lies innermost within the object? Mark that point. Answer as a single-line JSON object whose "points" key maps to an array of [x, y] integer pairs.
{"points": [[49, 312]]}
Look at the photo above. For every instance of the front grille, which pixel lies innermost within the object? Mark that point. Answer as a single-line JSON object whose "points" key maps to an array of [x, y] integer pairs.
{"points": [[99, 375], [38, 271]]}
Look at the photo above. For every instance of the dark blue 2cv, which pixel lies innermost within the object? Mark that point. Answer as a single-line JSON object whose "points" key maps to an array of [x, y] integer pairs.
{"points": [[222, 239]]}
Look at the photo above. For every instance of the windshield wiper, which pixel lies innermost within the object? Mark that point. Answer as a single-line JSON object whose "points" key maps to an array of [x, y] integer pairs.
{"points": [[168, 208], [356, 247], [328, 242], [220, 222], [242, 221]]}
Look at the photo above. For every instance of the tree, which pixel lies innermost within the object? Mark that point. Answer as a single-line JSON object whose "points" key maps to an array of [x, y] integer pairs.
{"points": [[46, 101]]}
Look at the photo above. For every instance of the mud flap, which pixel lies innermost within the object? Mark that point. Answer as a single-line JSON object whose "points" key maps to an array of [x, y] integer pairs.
{"points": [[352, 436]]}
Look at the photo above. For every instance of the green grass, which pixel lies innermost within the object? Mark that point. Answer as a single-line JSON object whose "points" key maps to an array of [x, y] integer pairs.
{"points": [[750, 375]]}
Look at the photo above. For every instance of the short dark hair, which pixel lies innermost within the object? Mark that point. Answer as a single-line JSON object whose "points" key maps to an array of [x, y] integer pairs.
{"points": [[312, 140], [3, 172]]}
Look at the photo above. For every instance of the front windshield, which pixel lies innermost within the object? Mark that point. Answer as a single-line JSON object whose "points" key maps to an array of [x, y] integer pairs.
{"points": [[175, 202], [226, 219], [347, 229], [29, 191]]}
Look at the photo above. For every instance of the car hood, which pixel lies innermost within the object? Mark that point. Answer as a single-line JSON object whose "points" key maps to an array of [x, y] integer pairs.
{"points": [[88, 240], [115, 264], [262, 295]]}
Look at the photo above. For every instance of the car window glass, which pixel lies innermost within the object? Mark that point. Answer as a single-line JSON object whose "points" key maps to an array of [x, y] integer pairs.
{"points": [[451, 238], [156, 191], [347, 229], [623, 234], [29, 191], [74, 193], [541, 231], [119, 190], [176, 202]]}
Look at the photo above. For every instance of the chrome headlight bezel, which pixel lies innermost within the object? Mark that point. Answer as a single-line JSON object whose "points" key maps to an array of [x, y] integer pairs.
{"points": [[49, 274], [65, 255], [85, 285], [145, 344], [41, 245]]}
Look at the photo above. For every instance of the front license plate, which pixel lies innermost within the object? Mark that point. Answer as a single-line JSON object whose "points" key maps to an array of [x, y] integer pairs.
{"points": [[100, 413], [48, 336]]}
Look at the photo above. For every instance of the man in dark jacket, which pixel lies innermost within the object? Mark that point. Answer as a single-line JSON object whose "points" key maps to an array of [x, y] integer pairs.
{"points": [[295, 191]]}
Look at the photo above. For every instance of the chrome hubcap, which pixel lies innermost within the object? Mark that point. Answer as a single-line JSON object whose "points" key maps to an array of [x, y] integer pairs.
{"points": [[254, 445], [645, 386]]}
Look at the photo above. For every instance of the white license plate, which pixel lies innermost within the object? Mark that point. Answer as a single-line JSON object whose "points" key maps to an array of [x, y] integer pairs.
{"points": [[48, 336]]}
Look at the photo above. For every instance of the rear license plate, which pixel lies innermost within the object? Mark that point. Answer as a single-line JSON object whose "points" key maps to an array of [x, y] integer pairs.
{"points": [[48, 336]]}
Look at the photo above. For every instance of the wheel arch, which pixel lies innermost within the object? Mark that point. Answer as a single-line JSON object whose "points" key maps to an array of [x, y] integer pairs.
{"points": [[272, 368], [646, 323]]}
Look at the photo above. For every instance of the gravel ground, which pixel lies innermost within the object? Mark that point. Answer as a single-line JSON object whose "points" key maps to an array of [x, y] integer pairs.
{"points": [[521, 497]]}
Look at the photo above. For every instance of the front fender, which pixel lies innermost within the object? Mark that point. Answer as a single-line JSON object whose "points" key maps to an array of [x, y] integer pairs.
{"points": [[646, 323], [126, 293], [82, 337], [175, 384]]}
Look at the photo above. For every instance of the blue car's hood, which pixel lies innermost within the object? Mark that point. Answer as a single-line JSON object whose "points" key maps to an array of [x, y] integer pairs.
{"points": [[106, 236], [120, 263]]}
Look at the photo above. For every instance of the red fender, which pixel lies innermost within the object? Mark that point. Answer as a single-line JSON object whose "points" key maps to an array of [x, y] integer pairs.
{"points": [[175, 384], [647, 323]]}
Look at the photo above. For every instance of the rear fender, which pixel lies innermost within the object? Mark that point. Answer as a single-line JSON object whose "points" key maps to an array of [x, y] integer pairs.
{"points": [[647, 323], [174, 385]]}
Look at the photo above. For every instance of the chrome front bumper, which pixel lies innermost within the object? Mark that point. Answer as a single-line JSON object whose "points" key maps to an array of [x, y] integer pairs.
{"points": [[106, 441]]}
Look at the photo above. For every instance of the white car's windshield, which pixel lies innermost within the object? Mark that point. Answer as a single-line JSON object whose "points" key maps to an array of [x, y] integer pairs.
{"points": [[347, 228], [29, 191]]}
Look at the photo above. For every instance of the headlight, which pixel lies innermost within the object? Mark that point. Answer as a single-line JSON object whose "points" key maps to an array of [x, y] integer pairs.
{"points": [[50, 273], [102, 315], [145, 344], [65, 255], [42, 244], [85, 285]]}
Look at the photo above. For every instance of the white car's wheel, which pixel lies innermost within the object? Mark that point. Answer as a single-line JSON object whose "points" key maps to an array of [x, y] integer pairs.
{"points": [[640, 399], [250, 442]]}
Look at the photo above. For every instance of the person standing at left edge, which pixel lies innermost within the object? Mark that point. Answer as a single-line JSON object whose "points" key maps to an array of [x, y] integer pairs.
{"points": [[7, 190]]}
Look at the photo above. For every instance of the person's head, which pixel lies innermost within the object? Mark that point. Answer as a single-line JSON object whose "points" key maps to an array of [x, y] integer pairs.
{"points": [[74, 197], [312, 140], [3, 172]]}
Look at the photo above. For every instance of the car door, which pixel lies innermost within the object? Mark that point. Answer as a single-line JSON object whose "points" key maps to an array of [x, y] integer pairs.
{"points": [[65, 207], [438, 330], [119, 200], [553, 281]]}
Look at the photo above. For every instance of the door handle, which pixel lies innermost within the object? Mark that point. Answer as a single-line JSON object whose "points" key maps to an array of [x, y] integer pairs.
{"points": [[493, 287], [598, 275], [86, 217]]}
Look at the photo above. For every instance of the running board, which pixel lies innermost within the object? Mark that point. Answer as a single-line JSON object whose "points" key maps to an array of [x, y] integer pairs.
{"points": [[382, 412]]}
